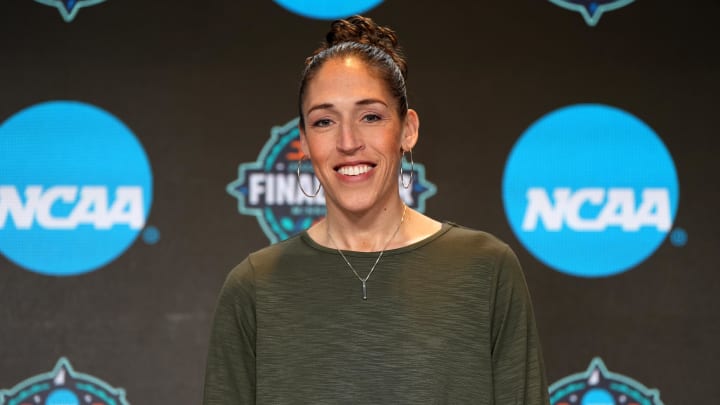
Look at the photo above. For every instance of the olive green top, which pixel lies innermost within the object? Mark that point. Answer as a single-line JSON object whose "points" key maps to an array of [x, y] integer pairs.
{"points": [[448, 320]]}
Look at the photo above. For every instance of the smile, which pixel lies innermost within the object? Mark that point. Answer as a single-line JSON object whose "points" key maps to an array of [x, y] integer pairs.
{"points": [[355, 170]]}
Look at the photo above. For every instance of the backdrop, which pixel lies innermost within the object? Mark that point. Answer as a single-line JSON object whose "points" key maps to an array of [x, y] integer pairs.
{"points": [[581, 133]]}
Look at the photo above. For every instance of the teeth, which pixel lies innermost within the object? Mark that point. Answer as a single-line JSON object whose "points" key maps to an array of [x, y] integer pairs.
{"points": [[354, 170]]}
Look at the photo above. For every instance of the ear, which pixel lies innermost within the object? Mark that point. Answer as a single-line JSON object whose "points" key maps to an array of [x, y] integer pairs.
{"points": [[303, 141], [410, 131]]}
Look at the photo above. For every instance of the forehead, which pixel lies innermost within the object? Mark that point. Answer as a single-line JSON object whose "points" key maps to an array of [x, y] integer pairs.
{"points": [[346, 78]]}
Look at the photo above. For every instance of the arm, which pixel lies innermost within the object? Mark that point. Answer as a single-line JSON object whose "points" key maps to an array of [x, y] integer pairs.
{"points": [[230, 371], [518, 371]]}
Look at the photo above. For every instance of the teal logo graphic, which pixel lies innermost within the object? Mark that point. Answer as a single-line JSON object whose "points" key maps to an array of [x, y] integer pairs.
{"points": [[590, 190], [69, 8], [268, 190], [592, 10], [328, 9], [598, 386], [63, 386], [75, 188]]}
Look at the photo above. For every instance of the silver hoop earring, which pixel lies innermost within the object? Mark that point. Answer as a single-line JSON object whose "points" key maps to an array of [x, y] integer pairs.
{"points": [[299, 183], [412, 170]]}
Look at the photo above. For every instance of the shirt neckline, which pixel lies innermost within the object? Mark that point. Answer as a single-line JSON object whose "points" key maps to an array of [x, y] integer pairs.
{"points": [[444, 228]]}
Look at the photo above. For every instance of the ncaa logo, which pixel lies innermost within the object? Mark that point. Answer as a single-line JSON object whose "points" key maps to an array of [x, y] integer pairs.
{"points": [[328, 9], [75, 188], [590, 190]]}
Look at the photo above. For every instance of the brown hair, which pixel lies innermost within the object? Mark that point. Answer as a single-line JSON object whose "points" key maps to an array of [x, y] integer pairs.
{"points": [[375, 45]]}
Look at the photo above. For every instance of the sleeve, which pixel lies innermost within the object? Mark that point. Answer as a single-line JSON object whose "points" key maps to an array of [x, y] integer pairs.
{"points": [[518, 370], [230, 370]]}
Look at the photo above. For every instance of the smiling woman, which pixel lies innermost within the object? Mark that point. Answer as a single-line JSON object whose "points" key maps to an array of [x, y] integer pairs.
{"points": [[377, 303], [355, 137]]}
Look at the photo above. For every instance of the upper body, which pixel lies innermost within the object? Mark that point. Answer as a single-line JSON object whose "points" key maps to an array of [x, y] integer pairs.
{"points": [[447, 320], [447, 317]]}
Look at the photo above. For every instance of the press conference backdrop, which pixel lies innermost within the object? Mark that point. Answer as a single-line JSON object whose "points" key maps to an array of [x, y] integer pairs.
{"points": [[148, 147]]}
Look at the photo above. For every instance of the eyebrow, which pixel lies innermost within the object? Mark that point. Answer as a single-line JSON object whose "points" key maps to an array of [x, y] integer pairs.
{"points": [[363, 102], [368, 101]]}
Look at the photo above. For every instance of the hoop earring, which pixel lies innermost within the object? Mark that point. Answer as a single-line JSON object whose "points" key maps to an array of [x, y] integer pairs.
{"points": [[299, 183], [412, 170]]}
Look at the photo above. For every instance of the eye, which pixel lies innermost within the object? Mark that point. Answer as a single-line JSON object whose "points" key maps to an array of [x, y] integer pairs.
{"points": [[371, 118], [321, 123]]}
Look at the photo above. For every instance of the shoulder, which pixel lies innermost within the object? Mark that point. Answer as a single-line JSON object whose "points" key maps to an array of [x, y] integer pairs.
{"points": [[474, 242], [481, 249], [267, 259], [240, 284]]}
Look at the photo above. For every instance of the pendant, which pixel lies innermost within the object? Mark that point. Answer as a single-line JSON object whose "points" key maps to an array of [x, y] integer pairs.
{"points": [[364, 289]]}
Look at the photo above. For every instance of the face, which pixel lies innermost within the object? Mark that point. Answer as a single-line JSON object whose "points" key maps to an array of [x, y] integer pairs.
{"points": [[354, 135]]}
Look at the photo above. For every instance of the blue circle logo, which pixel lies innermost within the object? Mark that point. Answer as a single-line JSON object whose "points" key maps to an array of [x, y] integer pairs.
{"points": [[590, 190], [75, 188], [598, 396], [328, 9], [62, 397]]}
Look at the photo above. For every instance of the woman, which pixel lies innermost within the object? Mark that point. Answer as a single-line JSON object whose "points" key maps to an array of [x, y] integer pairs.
{"points": [[377, 303]]}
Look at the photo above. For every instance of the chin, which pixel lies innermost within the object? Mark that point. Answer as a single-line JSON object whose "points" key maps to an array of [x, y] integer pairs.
{"points": [[359, 204]]}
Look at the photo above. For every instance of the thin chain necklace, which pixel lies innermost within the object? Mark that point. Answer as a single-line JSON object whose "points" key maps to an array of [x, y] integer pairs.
{"points": [[364, 280]]}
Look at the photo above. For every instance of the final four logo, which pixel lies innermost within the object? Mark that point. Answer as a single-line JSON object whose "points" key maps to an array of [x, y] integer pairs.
{"points": [[267, 188], [63, 386], [598, 386], [591, 10], [69, 8]]}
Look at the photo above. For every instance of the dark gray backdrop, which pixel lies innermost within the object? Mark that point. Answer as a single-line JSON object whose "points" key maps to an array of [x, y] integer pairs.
{"points": [[202, 82]]}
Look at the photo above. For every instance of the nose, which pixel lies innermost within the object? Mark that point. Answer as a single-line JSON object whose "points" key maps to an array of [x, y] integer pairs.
{"points": [[349, 140]]}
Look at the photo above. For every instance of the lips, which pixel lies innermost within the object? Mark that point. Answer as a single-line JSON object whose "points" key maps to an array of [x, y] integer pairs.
{"points": [[354, 170]]}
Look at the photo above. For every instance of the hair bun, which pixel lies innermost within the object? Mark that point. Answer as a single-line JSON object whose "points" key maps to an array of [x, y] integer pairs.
{"points": [[364, 30]]}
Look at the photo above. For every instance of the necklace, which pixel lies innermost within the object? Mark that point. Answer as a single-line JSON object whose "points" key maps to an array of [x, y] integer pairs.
{"points": [[364, 280]]}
